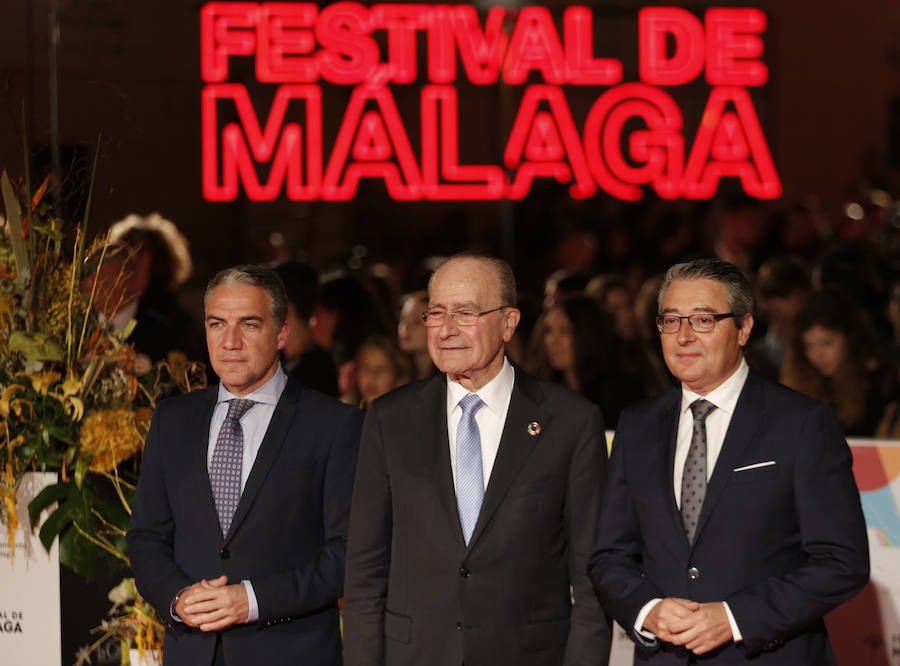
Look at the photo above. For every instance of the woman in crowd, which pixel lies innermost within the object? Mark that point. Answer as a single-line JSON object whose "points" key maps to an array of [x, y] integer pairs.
{"points": [[583, 352], [834, 358], [380, 367], [411, 333]]}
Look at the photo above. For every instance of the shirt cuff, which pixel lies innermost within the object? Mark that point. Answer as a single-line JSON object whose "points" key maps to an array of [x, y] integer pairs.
{"points": [[642, 615], [175, 602], [735, 632], [253, 613]]}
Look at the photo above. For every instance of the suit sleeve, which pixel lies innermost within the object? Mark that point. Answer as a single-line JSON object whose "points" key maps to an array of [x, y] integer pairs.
{"points": [[320, 580], [151, 534], [616, 564], [832, 535], [368, 551], [590, 635]]}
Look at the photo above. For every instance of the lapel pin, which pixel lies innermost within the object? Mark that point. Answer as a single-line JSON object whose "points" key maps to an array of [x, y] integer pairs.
{"points": [[534, 428]]}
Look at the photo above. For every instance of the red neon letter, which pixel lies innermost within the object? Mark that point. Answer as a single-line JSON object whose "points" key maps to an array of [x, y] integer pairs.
{"points": [[373, 139], [245, 144], [540, 141], [733, 47], [286, 43], [660, 147], [730, 143], [655, 24], [401, 22], [226, 28], [534, 45], [583, 68], [481, 52], [349, 54], [443, 177]]}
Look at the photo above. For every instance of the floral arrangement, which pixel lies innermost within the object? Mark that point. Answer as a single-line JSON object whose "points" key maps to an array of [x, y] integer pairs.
{"points": [[75, 397], [132, 622]]}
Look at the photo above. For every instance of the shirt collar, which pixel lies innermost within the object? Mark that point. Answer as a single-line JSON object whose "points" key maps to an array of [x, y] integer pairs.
{"points": [[494, 394], [268, 393], [724, 396]]}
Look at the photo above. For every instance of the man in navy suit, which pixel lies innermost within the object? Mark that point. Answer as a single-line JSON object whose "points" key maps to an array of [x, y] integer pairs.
{"points": [[468, 540], [240, 517], [731, 521]]}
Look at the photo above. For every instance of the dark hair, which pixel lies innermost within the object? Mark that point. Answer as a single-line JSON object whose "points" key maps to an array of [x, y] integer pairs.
{"points": [[502, 269], [847, 391], [779, 277], [255, 276], [171, 261], [738, 289], [594, 338], [301, 284]]}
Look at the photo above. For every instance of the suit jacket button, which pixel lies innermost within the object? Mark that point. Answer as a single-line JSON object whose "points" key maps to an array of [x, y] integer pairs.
{"points": [[224, 553], [459, 626], [464, 572], [693, 573]]}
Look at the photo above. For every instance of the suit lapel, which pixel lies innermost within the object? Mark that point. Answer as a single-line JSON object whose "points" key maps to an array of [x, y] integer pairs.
{"points": [[276, 434], [437, 455], [668, 436], [746, 421], [516, 444], [197, 435]]}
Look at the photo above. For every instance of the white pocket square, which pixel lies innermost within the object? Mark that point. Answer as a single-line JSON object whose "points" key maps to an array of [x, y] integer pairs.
{"points": [[754, 466]]}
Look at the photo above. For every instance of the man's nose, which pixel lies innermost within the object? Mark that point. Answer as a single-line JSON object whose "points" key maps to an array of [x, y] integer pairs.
{"points": [[685, 332], [231, 338]]}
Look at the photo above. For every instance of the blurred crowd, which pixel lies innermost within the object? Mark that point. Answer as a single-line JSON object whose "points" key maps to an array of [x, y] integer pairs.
{"points": [[827, 303]]}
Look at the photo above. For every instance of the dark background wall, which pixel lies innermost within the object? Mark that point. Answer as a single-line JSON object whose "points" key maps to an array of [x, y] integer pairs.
{"points": [[128, 74]]}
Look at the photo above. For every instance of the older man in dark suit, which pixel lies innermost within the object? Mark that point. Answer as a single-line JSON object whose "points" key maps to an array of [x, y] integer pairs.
{"points": [[239, 528], [731, 521], [475, 502]]}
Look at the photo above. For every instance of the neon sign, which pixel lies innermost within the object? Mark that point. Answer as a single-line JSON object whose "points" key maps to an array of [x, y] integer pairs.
{"points": [[632, 137]]}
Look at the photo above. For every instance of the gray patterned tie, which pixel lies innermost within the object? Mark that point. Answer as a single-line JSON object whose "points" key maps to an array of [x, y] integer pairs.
{"points": [[469, 472], [693, 480], [227, 460]]}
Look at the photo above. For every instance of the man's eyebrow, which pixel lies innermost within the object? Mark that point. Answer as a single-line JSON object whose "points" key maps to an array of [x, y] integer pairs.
{"points": [[467, 305], [701, 309]]}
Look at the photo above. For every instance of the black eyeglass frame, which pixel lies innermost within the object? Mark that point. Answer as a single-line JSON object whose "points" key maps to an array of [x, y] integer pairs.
{"points": [[717, 317]]}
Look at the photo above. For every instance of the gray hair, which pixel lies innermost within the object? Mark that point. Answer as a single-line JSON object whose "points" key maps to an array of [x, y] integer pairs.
{"points": [[737, 287], [502, 269], [254, 276]]}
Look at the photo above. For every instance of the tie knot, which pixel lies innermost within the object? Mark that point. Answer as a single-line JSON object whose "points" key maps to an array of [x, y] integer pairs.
{"points": [[237, 407], [701, 409], [470, 404]]}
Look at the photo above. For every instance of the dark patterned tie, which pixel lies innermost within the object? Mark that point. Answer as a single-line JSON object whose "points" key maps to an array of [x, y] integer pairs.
{"points": [[227, 460], [469, 472], [693, 480]]}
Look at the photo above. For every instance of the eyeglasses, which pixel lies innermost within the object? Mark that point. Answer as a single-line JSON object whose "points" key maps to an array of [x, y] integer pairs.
{"points": [[700, 323], [435, 318]]}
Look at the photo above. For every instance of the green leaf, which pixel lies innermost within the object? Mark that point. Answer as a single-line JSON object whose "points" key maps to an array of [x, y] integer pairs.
{"points": [[14, 218], [56, 522], [81, 468], [77, 554], [45, 498], [36, 346]]}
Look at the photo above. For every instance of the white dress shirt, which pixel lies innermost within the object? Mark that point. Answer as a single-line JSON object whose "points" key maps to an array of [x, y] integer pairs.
{"points": [[490, 418], [254, 424], [724, 397]]}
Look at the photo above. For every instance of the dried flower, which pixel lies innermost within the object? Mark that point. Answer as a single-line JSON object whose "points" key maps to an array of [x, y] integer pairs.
{"points": [[109, 437]]}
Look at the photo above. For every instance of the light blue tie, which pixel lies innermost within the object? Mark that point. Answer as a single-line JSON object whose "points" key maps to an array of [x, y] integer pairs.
{"points": [[469, 473]]}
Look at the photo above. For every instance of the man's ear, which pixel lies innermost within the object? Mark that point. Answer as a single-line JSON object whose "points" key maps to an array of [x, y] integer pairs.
{"points": [[283, 335], [511, 317], [746, 328]]}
